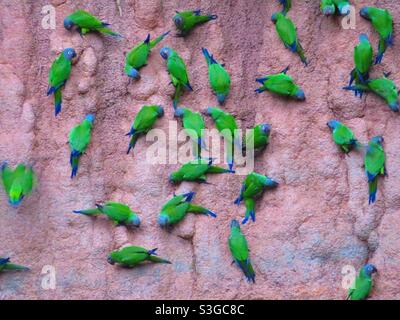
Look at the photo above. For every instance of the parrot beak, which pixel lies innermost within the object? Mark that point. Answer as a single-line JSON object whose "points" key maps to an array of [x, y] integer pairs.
{"points": [[110, 261]]}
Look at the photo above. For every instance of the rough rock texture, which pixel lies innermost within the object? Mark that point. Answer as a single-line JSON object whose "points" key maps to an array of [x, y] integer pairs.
{"points": [[316, 222]]}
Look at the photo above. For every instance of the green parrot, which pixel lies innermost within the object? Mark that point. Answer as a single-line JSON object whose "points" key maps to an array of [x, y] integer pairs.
{"points": [[240, 251], [175, 210], [343, 136], [362, 284], [281, 84], [374, 162], [131, 256], [5, 264], [252, 187], [219, 78], [363, 59], [143, 123], [196, 170], [118, 212], [18, 183], [185, 21], [382, 21], [79, 139], [258, 137], [59, 73], [194, 125], [226, 125], [287, 5], [86, 22], [288, 34], [138, 56], [177, 70], [383, 87]]}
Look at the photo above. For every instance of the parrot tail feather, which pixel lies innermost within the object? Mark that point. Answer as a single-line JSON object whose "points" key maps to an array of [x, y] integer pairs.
{"points": [[259, 90], [261, 80], [221, 98], [210, 59], [152, 251], [372, 189], [238, 200], [189, 196], [147, 40], [211, 214], [379, 58], [109, 32], [188, 86], [74, 161], [57, 101], [247, 269], [246, 218]]}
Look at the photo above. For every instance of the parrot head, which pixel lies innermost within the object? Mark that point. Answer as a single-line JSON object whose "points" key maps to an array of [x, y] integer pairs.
{"points": [[178, 20], [69, 53], [369, 269], [134, 221], [133, 73], [344, 9], [235, 224], [394, 106], [110, 259], [300, 95], [271, 183], [266, 128], [276, 16], [179, 112], [221, 98], [165, 52], [162, 220], [68, 24], [328, 10], [16, 195], [363, 37], [173, 177], [377, 139], [332, 124], [364, 12], [90, 117], [160, 111]]}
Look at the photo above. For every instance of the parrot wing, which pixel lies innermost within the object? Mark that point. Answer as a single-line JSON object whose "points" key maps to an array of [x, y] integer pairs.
{"points": [[116, 211], [287, 32], [363, 56], [194, 121], [374, 160], [343, 135], [145, 119], [219, 78], [59, 72], [7, 176], [86, 20], [177, 68], [281, 84], [138, 56], [79, 137], [361, 289]]}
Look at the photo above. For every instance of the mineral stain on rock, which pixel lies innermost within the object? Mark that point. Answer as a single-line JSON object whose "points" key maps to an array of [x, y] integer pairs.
{"points": [[295, 255]]}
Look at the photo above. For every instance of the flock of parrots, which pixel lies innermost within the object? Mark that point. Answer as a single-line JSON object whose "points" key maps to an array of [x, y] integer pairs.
{"points": [[19, 182]]}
